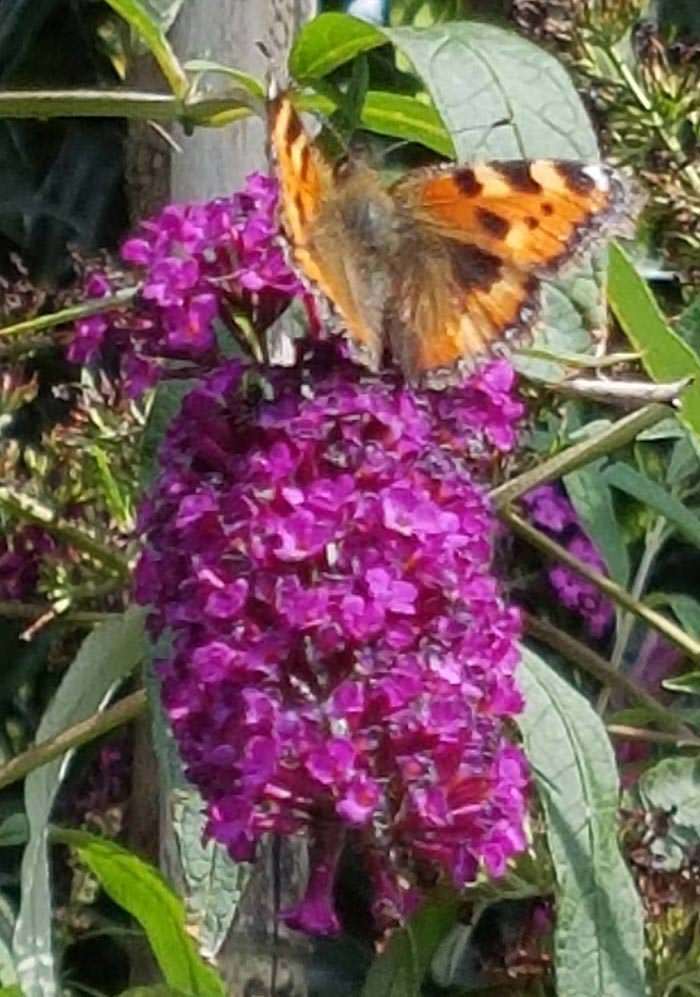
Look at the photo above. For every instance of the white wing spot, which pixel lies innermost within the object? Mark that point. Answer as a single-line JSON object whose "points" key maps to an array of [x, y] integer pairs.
{"points": [[599, 176]]}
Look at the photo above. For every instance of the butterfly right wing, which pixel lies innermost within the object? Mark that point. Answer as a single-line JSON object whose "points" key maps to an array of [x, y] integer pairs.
{"points": [[314, 231]]}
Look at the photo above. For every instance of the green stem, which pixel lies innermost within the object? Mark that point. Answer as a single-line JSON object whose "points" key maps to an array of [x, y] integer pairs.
{"points": [[131, 104], [652, 736], [19, 508], [568, 460], [92, 307], [606, 585], [35, 611], [123, 712], [582, 360], [591, 662], [653, 544]]}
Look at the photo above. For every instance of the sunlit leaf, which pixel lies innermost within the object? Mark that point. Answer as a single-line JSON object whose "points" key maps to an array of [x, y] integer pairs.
{"points": [[664, 355], [639, 486], [407, 118], [139, 888], [111, 651], [328, 41], [148, 28], [598, 948], [500, 96]]}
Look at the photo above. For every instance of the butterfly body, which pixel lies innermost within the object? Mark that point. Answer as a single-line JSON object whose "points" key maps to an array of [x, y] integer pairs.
{"points": [[445, 265]]}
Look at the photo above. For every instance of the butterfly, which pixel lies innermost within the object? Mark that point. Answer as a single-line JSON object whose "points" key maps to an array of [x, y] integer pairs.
{"points": [[444, 266]]}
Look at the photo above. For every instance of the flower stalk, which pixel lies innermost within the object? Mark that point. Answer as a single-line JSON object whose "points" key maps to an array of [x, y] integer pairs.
{"points": [[71, 314], [121, 713], [623, 432], [616, 592]]}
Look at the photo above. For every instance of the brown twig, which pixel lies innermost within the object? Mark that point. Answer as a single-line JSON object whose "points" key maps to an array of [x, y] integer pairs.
{"points": [[594, 664], [123, 712]]}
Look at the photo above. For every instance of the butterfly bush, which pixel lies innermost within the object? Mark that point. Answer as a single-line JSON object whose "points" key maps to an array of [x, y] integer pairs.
{"points": [[549, 508], [196, 263], [318, 547]]}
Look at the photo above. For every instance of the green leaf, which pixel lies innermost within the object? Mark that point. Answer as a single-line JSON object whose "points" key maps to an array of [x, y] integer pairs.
{"points": [[215, 883], [148, 28], [250, 83], [592, 500], [632, 482], [664, 355], [688, 324], [500, 96], [599, 934], [673, 785], [164, 12], [687, 610], [106, 656], [688, 683], [399, 971], [140, 889], [159, 990], [116, 502], [405, 117], [14, 830], [327, 42], [11, 991]]}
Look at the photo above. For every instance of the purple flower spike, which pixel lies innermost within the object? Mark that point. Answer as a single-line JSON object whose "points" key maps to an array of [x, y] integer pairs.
{"points": [[342, 661]]}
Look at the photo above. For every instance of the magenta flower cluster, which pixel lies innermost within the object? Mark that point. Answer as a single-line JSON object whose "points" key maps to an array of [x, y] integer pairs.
{"points": [[550, 508], [196, 264], [21, 554], [342, 662]]}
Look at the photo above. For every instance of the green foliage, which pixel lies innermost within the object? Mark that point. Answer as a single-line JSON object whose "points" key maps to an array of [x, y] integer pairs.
{"points": [[592, 499], [329, 41], [664, 355], [110, 652], [599, 930], [149, 28], [401, 969], [463, 90], [140, 889], [499, 96], [639, 486]]}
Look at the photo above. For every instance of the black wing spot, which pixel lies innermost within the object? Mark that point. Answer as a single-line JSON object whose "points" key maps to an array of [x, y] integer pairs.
{"points": [[474, 268], [532, 223], [467, 182], [518, 176], [494, 224], [547, 209], [575, 177]]}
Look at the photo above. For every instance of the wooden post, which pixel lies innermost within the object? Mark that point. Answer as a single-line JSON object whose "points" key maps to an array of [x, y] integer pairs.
{"points": [[259, 958]]}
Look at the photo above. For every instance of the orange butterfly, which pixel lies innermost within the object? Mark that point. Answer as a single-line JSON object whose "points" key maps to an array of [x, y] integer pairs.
{"points": [[444, 265]]}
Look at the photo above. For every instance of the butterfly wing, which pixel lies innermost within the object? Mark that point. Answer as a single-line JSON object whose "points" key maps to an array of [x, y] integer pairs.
{"points": [[534, 215], [496, 229], [315, 231], [454, 304]]}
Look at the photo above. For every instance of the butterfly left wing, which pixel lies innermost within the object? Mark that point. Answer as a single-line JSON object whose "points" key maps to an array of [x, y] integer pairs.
{"points": [[495, 230], [315, 232]]}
